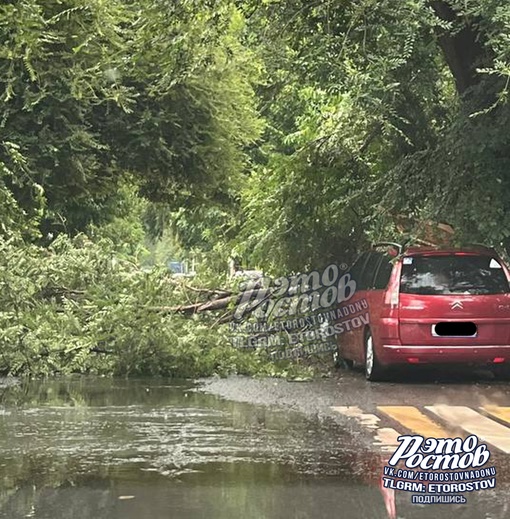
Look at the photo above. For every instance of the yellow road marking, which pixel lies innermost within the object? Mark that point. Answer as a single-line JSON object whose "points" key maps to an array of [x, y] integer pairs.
{"points": [[459, 417], [385, 437], [503, 413], [414, 420], [368, 420], [474, 423]]}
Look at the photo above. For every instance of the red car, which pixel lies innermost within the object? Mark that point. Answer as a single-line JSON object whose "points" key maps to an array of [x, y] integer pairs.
{"points": [[429, 305]]}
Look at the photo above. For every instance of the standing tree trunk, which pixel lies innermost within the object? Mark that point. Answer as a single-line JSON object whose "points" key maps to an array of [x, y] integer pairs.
{"points": [[463, 48]]}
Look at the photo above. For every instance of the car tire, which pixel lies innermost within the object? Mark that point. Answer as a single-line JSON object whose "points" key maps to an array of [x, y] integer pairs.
{"points": [[373, 370], [342, 363]]}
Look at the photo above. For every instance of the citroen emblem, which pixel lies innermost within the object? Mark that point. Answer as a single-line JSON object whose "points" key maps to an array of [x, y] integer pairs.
{"points": [[457, 305]]}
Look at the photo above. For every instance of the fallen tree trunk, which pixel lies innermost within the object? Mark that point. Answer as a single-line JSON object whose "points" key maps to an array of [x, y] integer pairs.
{"points": [[215, 304], [206, 291]]}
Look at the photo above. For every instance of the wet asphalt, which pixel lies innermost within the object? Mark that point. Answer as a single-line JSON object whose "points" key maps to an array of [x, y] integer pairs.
{"points": [[418, 387]]}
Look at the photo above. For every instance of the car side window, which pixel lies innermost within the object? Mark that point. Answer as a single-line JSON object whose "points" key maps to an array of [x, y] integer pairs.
{"points": [[383, 274], [356, 271], [367, 278]]}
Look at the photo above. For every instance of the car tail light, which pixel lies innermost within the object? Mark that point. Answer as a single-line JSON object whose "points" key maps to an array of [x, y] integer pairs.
{"points": [[499, 360], [413, 360]]}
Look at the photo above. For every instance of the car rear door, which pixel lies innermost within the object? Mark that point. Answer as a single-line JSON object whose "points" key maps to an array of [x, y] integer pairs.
{"points": [[348, 340], [378, 307], [355, 337]]}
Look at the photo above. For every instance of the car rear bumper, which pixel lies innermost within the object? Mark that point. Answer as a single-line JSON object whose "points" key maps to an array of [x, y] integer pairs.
{"points": [[443, 354]]}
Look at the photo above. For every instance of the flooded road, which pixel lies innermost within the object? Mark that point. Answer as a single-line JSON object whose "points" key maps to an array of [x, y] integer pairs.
{"points": [[89, 448], [96, 448]]}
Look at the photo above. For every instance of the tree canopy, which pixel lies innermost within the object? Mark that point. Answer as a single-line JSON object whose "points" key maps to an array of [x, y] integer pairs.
{"points": [[375, 110], [309, 126], [96, 94]]}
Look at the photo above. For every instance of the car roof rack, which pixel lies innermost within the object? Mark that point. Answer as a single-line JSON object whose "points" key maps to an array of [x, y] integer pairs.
{"points": [[399, 247], [478, 246]]}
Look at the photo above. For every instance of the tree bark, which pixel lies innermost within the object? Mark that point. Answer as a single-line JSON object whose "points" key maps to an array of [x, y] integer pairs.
{"points": [[463, 49], [215, 304], [196, 308]]}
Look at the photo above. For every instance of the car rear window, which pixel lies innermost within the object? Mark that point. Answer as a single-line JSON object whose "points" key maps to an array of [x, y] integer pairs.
{"points": [[452, 274]]}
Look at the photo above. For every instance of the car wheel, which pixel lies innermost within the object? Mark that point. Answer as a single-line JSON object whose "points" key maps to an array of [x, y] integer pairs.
{"points": [[373, 369], [342, 363]]}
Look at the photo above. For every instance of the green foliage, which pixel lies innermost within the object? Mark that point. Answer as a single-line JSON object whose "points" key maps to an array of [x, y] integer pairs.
{"points": [[124, 227], [365, 125], [297, 216], [464, 180], [352, 89], [98, 94]]}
